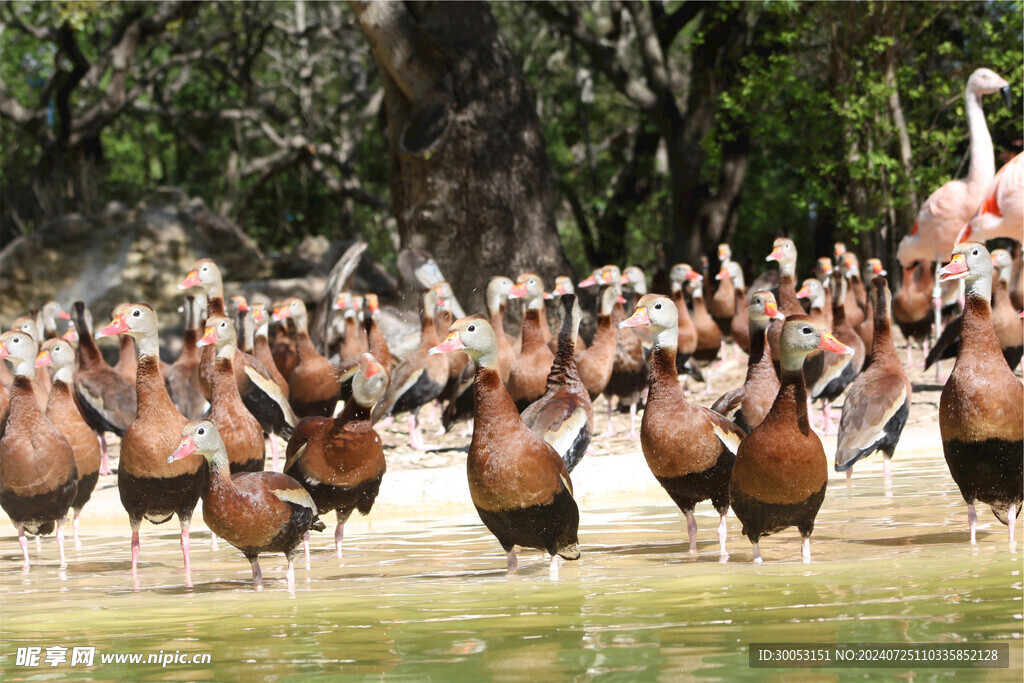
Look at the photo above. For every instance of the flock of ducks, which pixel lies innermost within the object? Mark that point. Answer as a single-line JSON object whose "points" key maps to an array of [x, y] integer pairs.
{"points": [[197, 428], [248, 374]]}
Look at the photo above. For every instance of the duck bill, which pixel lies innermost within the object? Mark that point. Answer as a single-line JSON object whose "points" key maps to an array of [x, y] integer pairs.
{"points": [[722, 274], [826, 268], [772, 311], [43, 359], [4, 353], [280, 314], [693, 275], [589, 282], [70, 336], [209, 337], [368, 365], [803, 293], [775, 255], [620, 299], [830, 343], [116, 326], [191, 280], [723, 254], [1007, 97], [64, 315], [518, 292], [955, 269], [185, 449], [243, 306], [879, 270], [640, 318], [450, 343]]}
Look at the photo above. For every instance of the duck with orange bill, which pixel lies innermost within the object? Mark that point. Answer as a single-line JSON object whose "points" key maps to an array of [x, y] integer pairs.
{"points": [[340, 460], [518, 483], [528, 378], [313, 387], [38, 475], [257, 512], [780, 473], [689, 448], [748, 404], [62, 411], [149, 487], [107, 400], [981, 410], [242, 434]]}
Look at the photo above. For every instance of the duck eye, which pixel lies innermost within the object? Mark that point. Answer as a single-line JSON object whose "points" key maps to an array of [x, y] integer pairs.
{"points": [[136, 313], [471, 328], [201, 431], [974, 253], [807, 330], [204, 269], [657, 306]]}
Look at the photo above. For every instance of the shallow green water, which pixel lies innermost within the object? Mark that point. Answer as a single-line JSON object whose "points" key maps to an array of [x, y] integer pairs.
{"points": [[428, 598]]}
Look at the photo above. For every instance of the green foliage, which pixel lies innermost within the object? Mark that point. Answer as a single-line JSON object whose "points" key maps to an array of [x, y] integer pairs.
{"points": [[810, 98]]}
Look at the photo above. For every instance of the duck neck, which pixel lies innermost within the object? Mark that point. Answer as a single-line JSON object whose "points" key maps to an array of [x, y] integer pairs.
{"points": [[492, 405], [149, 385], [664, 378], [23, 368], [532, 335], [983, 163], [758, 343], [215, 302], [882, 347], [428, 330], [63, 375], [978, 336], [352, 415], [497, 318], [788, 302], [792, 397], [564, 366]]}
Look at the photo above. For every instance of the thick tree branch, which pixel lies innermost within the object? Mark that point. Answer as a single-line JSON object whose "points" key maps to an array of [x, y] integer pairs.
{"points": [[603, 56], [668, 26]]}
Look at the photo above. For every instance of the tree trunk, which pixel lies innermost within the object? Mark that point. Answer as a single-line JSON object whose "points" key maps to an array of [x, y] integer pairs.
{"points": [[470, 178]]}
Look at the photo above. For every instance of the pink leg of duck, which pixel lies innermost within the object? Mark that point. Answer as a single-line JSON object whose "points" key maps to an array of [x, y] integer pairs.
{"points": [[691, 530], [305, 548], [887, 473], [610, 431], [257, 575], [972, 523], [104, 458], [1011, 521], [60, 544], [722, 552], [274, 453], [135, 554], [553, 568], [74, 527], [805, 549], [23, 542], [757, 554], [339, 534], [290, 574], [511, 562], [632, 421], [185, 548]]}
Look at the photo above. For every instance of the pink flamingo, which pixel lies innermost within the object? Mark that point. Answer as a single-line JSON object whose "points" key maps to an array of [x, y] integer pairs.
{"points": [[1001, 213], [949, 208]]}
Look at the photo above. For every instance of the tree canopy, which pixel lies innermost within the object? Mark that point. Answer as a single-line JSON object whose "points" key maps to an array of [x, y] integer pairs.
{"points": [[669, 125]]}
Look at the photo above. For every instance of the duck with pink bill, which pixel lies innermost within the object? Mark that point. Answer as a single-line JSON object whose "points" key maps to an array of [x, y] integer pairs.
{"points": [[257, 512], [981, 410], [780, 473]]}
